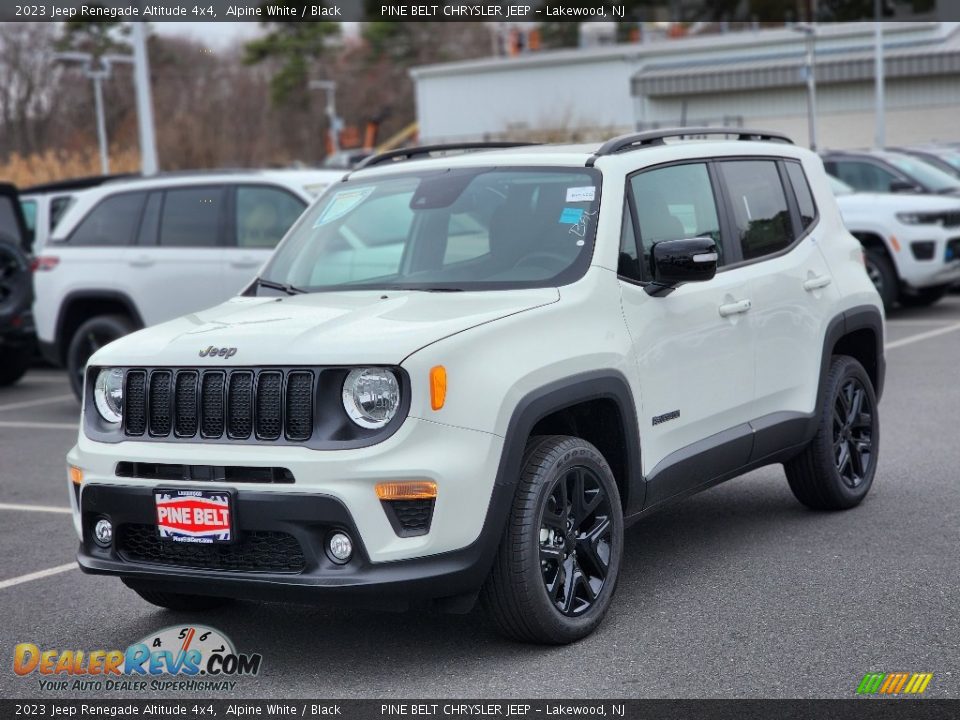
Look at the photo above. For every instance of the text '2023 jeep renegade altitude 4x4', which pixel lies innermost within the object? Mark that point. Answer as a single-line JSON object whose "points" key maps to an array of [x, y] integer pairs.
{"points": [[464, 375]]}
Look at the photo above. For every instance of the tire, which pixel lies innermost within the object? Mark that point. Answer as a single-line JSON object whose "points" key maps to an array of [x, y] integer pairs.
{"points": [[177, 601], [528, 595], [14, 363], [835, 471], [923, 297], [884, 277], [90, 337]]}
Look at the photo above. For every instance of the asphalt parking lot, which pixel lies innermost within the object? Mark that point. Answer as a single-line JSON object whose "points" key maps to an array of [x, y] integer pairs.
{"points": [[738, 592]]}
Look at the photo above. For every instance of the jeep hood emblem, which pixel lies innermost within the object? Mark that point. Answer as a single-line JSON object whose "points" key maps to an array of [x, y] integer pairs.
{"points": [[225, 352]]}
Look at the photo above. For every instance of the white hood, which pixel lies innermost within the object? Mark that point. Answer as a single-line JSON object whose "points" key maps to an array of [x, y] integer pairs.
{"points": [[330, 328]]}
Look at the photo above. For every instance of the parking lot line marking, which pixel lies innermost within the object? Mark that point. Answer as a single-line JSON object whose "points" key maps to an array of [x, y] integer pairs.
{"points": [[922, 336], [39, 425], [35, 508], [38, 575], [34, 403]]}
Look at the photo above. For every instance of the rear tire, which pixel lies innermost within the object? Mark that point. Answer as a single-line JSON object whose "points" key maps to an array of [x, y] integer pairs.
{"points": [[179, 602], [559, 559], [884, 277], [923, 297], [90, 337], [14, 363], [836, 470]]}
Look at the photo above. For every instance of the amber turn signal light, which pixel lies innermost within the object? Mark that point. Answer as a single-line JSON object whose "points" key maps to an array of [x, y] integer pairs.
{"points": [[438, 386], [76, 475], [407, 490]]}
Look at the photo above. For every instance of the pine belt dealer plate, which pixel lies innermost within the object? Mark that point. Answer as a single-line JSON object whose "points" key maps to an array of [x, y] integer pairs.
{"points": [[200, 517]]}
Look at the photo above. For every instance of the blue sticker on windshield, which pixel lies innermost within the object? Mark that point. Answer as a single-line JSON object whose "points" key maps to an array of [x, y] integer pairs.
{"points": [[571, 216]]}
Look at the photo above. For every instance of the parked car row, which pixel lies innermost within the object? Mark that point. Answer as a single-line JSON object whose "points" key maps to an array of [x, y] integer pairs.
{"points": [[904, 207], [114, 255]]}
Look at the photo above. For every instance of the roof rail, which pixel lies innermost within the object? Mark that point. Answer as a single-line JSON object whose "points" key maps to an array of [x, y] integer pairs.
{"points": [[427, 150], [637, 141]]}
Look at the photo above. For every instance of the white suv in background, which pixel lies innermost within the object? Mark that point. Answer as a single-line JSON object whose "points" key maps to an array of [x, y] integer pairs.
{"points": [[464, 376], [135, 252], [912, 242]]}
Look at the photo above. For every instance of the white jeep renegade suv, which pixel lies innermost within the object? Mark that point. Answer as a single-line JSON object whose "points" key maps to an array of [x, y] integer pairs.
{"points": [[465, 375]]}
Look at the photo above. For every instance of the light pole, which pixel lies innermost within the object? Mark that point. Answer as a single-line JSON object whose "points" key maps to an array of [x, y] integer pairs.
{"points": [[810, 31], [331, 109], [880, 125], [141, 71], [97, 69]]}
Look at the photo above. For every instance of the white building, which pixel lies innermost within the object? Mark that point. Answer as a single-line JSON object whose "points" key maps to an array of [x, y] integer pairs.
{"points": [[752, 78]]}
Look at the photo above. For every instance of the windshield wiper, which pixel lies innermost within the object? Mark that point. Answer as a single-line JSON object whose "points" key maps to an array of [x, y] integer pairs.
{"points": [[285, 287]]}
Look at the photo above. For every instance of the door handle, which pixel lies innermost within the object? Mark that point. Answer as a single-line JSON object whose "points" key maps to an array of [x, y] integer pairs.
{"points": [[734, 308], [141, 261], [817, 282]]}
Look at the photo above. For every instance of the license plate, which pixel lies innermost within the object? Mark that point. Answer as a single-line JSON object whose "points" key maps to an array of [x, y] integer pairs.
{"points": [[200, 517]]}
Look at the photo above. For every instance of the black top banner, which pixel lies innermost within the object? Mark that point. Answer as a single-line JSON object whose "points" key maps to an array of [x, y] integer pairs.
{"points": [[758, 11], [495, 709]]}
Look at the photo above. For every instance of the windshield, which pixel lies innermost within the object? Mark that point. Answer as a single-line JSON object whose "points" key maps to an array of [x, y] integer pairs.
{"points": [[927, 175], [456, 229]]}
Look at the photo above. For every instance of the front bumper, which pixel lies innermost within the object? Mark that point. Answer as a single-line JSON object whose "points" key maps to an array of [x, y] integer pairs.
{"points": [[941, 268], [331, 490], [308, 519]]}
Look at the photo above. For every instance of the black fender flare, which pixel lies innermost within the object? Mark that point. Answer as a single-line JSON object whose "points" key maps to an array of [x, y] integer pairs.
{"points": [[608, 384], [861, 317]]}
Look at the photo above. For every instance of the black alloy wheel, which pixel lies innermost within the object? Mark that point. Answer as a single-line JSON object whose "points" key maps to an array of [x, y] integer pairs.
{"points": [[575, 541], [835, 471], [852, 432]]}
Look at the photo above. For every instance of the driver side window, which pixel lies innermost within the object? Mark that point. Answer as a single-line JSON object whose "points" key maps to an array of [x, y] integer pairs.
{"points": [[673, 203]]}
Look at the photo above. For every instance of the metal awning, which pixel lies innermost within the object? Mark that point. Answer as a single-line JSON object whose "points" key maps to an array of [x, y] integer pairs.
{"points": [[711, 76]]}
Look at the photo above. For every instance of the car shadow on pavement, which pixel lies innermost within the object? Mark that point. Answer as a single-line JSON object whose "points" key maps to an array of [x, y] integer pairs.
{"points": [[663, 553]]}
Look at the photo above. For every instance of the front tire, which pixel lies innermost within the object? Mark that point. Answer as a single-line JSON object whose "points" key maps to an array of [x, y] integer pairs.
{"points": [[90, 337], [559, 559], [14, 363], [836, 469], [179, 602], [883, 276]]}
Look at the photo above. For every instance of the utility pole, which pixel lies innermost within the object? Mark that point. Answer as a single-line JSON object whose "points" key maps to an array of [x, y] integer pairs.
{"points": [[330, 87], [880, 123], [141, 69], [809, 29], [97, 69]]}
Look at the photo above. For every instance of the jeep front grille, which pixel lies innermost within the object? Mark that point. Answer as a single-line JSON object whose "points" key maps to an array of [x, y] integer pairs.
{"points": [[234, 404]]}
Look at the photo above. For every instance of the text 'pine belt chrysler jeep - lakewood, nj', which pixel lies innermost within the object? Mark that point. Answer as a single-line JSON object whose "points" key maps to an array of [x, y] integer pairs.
{"points": [[462, 375]]}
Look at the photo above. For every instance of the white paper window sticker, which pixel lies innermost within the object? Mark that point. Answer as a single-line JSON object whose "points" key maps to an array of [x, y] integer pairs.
{"points": [[342, 203], [581, 194]]}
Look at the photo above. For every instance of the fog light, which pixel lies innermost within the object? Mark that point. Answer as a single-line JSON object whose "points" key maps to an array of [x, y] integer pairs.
{"points": [[103, 532], [340, 547]]}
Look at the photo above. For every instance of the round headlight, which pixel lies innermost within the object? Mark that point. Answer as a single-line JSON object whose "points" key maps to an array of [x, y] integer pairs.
{"points": [[371, 397], [108, 394]]}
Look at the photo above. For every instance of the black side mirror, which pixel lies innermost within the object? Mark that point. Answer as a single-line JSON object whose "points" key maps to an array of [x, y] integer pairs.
{"points": [[904, 186], [676, 262]]}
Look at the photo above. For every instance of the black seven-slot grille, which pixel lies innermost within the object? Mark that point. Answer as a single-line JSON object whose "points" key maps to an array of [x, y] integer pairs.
{"points": [[235, 404]]}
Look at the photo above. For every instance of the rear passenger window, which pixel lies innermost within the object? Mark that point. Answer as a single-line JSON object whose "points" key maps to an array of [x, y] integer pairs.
{"points": [[264, 214], [191, 217], [673, 203], [801, 188], [760, 214], [112, 222]]}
